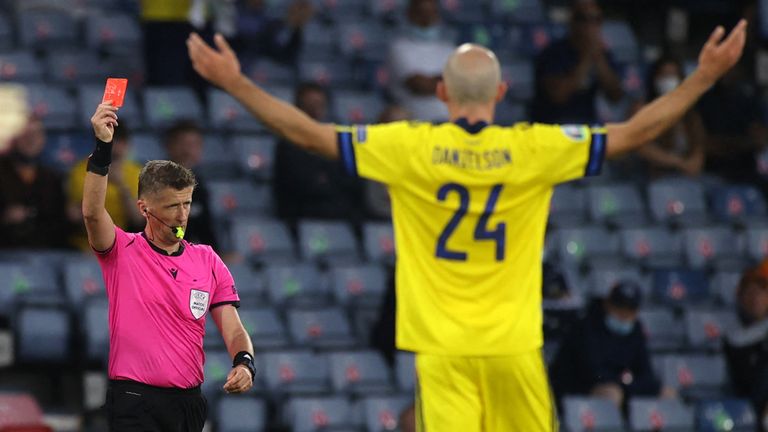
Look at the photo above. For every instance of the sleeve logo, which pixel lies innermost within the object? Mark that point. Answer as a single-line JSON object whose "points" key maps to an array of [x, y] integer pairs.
{"points": [[575, 132]]}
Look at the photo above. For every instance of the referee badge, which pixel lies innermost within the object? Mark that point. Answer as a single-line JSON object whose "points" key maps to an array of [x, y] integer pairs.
{"points": [[198, 303]]}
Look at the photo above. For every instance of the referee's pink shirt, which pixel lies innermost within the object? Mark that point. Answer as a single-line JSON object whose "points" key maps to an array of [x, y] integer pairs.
{"points": [[157, 308]]}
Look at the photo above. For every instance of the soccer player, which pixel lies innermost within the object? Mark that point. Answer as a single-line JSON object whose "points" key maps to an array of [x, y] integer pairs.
{"points": [[469, 207], [160, 289]]}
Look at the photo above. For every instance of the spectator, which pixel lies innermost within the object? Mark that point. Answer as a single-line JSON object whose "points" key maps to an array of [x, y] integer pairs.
{"points": [[307, 185], [416, 60], [122, 190], [681, 149], [259, 35], [746, 347], [32, 201], [165, 27], [606, 355], [571, 71], [184, 143]]}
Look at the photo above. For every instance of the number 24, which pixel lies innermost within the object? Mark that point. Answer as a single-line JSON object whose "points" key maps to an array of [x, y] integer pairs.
{"points": [[482, 232]]}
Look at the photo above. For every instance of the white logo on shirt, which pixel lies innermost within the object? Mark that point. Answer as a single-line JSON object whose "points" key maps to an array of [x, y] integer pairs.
{"points": [[198, 303]]}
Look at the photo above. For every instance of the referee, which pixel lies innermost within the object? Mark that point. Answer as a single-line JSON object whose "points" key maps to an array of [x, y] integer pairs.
{"points": [[160, 289]]}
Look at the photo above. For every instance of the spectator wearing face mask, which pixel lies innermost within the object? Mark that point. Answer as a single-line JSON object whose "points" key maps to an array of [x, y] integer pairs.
{"points": [[681, 149], [606, 354]]}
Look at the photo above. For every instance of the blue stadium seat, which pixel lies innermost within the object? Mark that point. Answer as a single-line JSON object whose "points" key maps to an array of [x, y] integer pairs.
{"points": [[262, 240], [536, 37], [356, 107], [146, 147], [653, 246], [164, 105], [255, 154], [723, 287], [241, 414], [53, 105], [330, 74], [386, 10], [677, 201], [362, 285], [72, 68], [662, 330], [462, 11], [295, 372], [568, 207], [114, 33], [46, 29], [603, 277], [695, 376], [64, 149], [212, 339], [26, 282], [6, 34], [218, 364], [706, 328], [616, 205], [737, 203], [580, 245], [96, 330], [320, 328], [519, 76], [405, 371], [316, 414], [264, 326], [43, 335], [680, 288], [717, 415], [591, 413], [509, 113], [757, 242], [381, 413], [319, 39], [128, 66], [620, 40], [296, 285], [20, 66], [266, 72], [379, 241], [89, 97], [521, 12], [83, 280], [718, 247], [359, 373], [650, 414], [227, 114], [327, 242], [219, 162], [238, 197], [251, 286], [362, 39]]}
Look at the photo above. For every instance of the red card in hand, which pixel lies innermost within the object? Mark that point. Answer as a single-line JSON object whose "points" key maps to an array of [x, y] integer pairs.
{"points": [[115, 91]]}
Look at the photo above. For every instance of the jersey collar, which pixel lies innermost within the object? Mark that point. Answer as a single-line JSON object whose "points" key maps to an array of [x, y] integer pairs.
{"points": [[472, 128], [162, 251]]}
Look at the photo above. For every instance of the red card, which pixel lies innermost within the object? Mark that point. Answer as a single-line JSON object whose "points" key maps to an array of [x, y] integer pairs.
{"points": [[115, 91]]}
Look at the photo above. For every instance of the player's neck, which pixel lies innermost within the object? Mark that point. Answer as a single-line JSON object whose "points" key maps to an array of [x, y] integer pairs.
{"points": [[472, 113]]}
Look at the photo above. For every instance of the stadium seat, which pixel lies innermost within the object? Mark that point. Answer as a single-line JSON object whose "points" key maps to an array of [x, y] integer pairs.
{"points": [[264, 326], [83, 280], [677, 201], [327, 242], [46, 29], [723, 287], [64, 149], [362, 40], [568, 207], [509, 113], [20, 66], [650, 414], [652, 246], [590, 413], [706, 328], [219, 162], [6, 34], [520, 12], [320, 328], [255, 155], [262, 240], [319, 39], [296, 285], [362, 285], [695, 376], [218, 364], [238, 198], [250, 284], [212, 339], [43, 335], [386, 10], [316, 414], [620, 40], [603, 277], [519, 76], [580, 245], [737, 203], [26, 282], [662, 330], [240, 414], [340, 11], [356, 107], [616, 205], [96, 330], [146, 147], [266, 72], [128, 66], [330, 74], [89, 97], [165, 105], [52, 105], [379, 241], [757, 242], [114, 33], [680, 288], [462, 11], [717, 247], [359, 373], [405, 371], [227, 114], [71, 68], [295, 372], [717, 415], [381, 413]]}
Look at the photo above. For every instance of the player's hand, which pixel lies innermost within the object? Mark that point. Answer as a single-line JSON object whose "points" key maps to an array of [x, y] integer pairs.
{"points": [[239, 380], [718, 55], [104, 121], [219, 66]]}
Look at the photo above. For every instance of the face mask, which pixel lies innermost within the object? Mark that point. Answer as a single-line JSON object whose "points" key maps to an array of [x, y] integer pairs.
{"points": [[619, 327], [667, 84], [430, 33]]}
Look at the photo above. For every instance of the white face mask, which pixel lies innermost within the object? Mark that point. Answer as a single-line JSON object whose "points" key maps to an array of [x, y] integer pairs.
{"points": [[666, 84]]}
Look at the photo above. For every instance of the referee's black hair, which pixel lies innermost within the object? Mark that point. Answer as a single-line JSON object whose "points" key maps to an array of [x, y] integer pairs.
{"points": [[160, 174]]}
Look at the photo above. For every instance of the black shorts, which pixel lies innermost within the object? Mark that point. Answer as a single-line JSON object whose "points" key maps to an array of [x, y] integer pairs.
{"points": [[137, 407]]}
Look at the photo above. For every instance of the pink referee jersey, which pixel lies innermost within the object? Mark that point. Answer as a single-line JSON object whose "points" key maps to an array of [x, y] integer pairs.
{"points": [[157, 308]]}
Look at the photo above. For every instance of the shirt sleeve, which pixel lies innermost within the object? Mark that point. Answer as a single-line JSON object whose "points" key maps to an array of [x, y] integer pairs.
{"points": [[110, 255], [560, 153], [376, 152], [225, 291]]}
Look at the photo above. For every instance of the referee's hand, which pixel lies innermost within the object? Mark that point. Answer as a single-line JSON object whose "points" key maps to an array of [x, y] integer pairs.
{"points": [[239, 380], [104, 121]]}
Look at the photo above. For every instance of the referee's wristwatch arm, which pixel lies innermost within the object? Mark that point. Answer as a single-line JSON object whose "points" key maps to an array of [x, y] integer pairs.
{"points": [[716, 58], [98, 222]]}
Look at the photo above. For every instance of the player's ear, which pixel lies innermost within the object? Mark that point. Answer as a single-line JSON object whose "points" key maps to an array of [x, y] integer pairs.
{"points": [[501, 91], [441, 91]]}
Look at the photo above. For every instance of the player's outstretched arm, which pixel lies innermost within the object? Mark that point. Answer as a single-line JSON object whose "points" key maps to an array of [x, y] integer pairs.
{"points": [[716, 58], [220, 66], [98, 223]]}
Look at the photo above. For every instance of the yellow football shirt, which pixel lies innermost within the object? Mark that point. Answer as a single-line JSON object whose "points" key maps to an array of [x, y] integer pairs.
{"points": [[469, 213]]}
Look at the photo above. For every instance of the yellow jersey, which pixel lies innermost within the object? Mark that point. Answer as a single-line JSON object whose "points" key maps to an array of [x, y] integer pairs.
{"points": [[469, 210], [165, 10]]}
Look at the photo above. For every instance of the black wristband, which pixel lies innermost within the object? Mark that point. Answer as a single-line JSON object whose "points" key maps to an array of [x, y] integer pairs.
{"points": [[101, 156], [92, 167], [246, 359]]}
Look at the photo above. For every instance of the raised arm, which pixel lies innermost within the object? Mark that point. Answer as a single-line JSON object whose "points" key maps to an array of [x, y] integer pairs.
{"points": [[716, 58], [98, 223], [221, 67]]}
